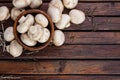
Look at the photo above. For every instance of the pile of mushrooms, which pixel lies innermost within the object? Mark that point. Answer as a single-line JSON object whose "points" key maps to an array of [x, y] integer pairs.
{"points": [[61, 20], [20, 4], [30, 26]]}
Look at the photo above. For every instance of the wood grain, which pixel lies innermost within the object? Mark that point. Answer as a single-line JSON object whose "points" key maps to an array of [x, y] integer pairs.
{"points": [[92, 37], [76, 46], [86, 55], [98, 9], [41, 77], [71, 52], [98, 24], [60, 67]]}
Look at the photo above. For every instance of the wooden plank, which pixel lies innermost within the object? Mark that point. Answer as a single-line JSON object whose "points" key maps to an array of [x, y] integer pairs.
{"points": [[60, 67], [40, 77], [92, 37], [78, 38], [71, 52], [98, 9], [81, 51], [101, 9], [106, 23], [99, 24], [76, 44]]}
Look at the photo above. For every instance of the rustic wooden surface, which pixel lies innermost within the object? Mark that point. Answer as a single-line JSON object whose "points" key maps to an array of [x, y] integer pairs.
{"points": [[91, 50]]}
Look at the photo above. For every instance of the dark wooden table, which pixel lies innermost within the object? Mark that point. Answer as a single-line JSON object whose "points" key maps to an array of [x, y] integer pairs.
{"points": [[91, 50]]}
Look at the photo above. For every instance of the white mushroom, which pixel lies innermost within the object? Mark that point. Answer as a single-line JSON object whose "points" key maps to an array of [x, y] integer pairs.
{"points": [[15, 12], [4, 13], [70, 4], [77, 16], [58, 4], [22, 19], [68, 25], [23, 27], [55, 14], [63, 23], [45, 36], [27, 41], [15, 49], [59, 38], [41, 20], [8, 34], [35, 3], [35, 32], [21, 3]]}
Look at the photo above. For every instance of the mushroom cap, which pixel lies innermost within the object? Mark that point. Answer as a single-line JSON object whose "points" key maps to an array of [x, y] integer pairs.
{"points": [[55, 14], [23, 27], [15, 49], [22, 19], [21, 3], [35, 3], [77, 16], [15, 12], [41, 20], [30, 19], [63, 22], [8, 34], [8, 16], [58, 4], [27, 41], [35, 32], [70, 4], [4, 13], [68, 25], [59, 38], [45, 36]]}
